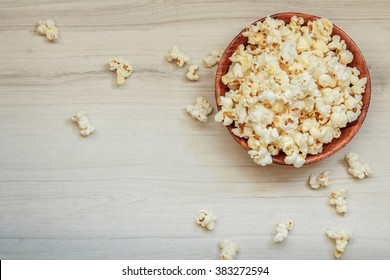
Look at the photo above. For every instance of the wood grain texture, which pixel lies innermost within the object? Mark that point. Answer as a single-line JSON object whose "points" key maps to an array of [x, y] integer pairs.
{"points": [[130, 190], [359, 62]]}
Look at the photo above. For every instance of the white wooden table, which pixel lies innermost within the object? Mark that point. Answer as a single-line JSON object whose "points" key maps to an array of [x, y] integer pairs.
{"points": [[130, 191]]}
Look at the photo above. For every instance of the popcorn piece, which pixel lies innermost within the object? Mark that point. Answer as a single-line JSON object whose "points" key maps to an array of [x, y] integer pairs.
{"points": [[296, 23], [321, 180], [206, 219], [213, 58], [48, 28], [237, 71], [338, 118], [339, 198], [342, 238], [290, 89], [345, 56], [228, 249], [321, 46], [288, 123], [288, 51], [336, 43], [262, 157], [304, 43], [282, 229], [200, 110], [294, 158], [321, 29], [225, 114], [269, 96], [176, 55], [357, 169], [192, 74], [325, 80], [123, 69], [243, 131], [83, 122]]}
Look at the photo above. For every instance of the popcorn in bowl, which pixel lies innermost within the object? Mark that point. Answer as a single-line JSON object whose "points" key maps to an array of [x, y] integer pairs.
{"points": [[290, 89]]}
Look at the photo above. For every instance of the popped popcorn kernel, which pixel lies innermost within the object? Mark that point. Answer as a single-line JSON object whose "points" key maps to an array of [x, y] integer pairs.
{"points": [[177, 56], [290, 89], [192, 74], [48, 28], [282, 229], [206, 218], [320, 180], [123, 69], [83, 122], [200, 110], [228, 249], [213, 58], [339, 199], [357, 169], [341, 238]]}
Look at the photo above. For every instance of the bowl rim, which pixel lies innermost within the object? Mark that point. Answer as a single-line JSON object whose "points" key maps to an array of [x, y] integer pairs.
{"points": [[354, 127]]}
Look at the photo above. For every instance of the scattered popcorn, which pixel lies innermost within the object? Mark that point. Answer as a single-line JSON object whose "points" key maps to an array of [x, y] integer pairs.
{"points": [[321, 180], [339, 198], [290, 90], [123, 69], [176, 55], [83, 122], [48, 28], [206, 219], [213, 58], [200, 110], [192, 74], [282, 229], [342, 238], [228, 249], [357, 169]]}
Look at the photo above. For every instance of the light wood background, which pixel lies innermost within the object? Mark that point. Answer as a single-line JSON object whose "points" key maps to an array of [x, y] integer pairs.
{"points": [[130, 190]]}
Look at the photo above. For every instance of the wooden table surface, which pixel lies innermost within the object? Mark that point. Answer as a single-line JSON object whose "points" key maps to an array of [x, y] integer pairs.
{"points": [[130, 191]]}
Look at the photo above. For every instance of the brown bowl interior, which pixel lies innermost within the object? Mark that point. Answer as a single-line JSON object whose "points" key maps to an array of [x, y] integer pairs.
{"points": [[347, 133]]}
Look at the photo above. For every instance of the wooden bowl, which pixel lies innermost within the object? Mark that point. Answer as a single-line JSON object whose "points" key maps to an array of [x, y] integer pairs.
{"points": [[347, 133]]}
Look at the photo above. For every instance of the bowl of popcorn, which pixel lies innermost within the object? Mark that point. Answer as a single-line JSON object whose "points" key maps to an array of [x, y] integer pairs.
{"points": [[292, 89]]}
